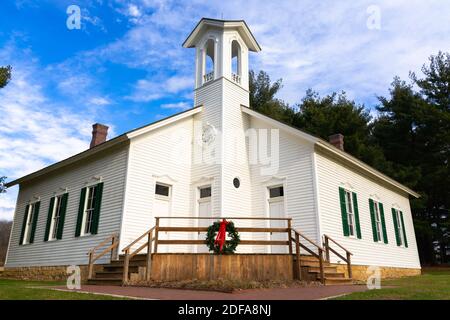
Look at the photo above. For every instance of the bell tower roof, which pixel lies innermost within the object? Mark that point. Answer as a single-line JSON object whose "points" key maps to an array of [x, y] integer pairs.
{"points": [[238, 25]]}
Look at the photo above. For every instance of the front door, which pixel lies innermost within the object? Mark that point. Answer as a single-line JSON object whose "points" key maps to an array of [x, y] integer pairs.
{"points": [[161, 208], [204, 210], [276, 210]]}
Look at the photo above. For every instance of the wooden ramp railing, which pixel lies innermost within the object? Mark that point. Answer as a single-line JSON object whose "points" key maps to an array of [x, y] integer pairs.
{"points": [[111, 248], [326, 243], [294, 237], [153, 241]]}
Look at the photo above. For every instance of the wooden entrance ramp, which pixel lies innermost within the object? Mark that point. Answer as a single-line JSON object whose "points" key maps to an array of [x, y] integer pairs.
{"points": [[140, 260]]}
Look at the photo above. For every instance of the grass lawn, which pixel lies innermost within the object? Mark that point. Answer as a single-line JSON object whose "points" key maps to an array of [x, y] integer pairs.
{"points": [[431, 285], [35, 290]]}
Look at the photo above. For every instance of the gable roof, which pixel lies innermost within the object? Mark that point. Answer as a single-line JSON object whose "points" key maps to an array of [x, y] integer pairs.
{"points": [[330, 150], [106, 145], [240, 25]]}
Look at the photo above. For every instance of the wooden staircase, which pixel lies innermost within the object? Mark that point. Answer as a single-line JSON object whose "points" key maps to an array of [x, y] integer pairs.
{"points": [[112, 273], [310, 267]]}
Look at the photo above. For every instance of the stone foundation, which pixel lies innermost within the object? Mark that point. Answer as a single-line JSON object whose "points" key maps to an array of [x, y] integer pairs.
{"points": [[48, 273], [359, 272]]}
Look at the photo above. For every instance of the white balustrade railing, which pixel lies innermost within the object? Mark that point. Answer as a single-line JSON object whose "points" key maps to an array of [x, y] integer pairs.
{"points": [[208, 77]]}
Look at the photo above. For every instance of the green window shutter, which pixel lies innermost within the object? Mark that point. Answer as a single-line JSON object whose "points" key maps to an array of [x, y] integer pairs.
{"points": [[343, 212], [372, 218], [403, 229], [62, 216], [97, 206], [80, 212], [49, 218], [24, 224], [355, 209], [35, 218], [394, 218], [383, 224]]}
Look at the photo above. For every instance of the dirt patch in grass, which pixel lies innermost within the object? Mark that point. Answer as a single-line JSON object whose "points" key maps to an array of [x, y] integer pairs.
{"points": [[227, 286]]}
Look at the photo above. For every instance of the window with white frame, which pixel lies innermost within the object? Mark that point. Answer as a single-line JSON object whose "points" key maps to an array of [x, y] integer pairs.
{"points": [[275, 192], [29, 223], [378, 225], [56, 216], [205, 192], [350, 212], [89, 209], [399, 225], [162, 190]]}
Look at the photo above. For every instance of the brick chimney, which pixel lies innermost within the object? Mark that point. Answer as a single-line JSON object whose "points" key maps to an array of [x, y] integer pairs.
{"points": [[99, 133], [337, 140]]}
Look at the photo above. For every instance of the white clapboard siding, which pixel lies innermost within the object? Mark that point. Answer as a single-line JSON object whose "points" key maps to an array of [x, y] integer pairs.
{"points": [[162, 155], [295, 171], [331, 175], [111, 167], [210, 97]]}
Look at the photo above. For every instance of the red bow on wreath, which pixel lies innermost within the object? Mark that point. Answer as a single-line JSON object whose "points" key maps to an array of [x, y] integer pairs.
{"points": [[221, 234]]}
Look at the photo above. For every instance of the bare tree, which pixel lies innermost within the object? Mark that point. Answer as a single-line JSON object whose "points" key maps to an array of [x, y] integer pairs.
{"points": [[5, 230]]}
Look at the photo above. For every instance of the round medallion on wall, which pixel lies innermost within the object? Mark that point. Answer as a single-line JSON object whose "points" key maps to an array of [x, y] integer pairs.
{"points": [[236, 183], [208, 134]]}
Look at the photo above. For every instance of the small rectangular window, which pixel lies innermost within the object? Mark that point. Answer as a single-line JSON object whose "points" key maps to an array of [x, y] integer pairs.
{"points": [[162, 190], [205, 192], [276, 192]]}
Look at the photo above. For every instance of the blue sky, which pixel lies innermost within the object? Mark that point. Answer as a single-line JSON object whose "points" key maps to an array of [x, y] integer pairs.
{"points": [[125, 67]]}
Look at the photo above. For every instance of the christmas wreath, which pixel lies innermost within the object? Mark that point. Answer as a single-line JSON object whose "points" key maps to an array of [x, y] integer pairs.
{"points": [[216, 237]]}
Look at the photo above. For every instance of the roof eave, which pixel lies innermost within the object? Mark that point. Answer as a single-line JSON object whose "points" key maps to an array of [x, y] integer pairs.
{"points": [[329, 147], [106, 145], [250, 40], [358, 163]]}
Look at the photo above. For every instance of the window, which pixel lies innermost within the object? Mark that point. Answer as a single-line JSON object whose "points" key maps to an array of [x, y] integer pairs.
{"points": [[377, 216], [350, 213], [236, 61], [209, 61], [56, 216], [276, 192], [398, 225], [29, 223], [162, 190], [89, 210], [205, 192], [378, 221]]}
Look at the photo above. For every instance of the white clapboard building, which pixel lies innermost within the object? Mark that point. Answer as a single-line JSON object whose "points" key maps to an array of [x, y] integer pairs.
{"points": [[218, 159]]}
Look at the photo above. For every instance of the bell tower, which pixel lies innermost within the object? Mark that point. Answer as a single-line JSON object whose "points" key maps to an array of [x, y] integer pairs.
{"points": [[221, 50], [221, 87]]}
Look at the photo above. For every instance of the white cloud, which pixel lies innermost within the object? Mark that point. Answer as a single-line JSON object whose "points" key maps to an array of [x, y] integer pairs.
{"points": [[35, 131], [325, 45], [133, 11], [100, 101], [179, 105], [148, 90]]}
